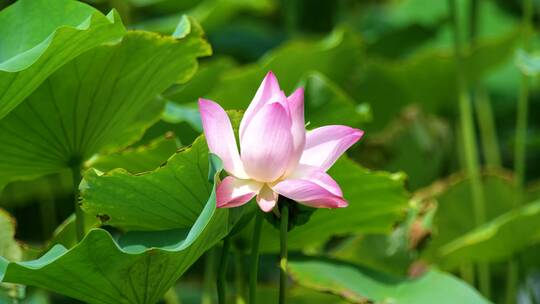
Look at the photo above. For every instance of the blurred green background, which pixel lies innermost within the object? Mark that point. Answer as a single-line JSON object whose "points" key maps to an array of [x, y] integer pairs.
{"points": [[392, 62]]}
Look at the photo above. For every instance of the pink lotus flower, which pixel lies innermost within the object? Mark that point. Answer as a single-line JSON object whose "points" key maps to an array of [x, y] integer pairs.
{"points": [[277, 155]]}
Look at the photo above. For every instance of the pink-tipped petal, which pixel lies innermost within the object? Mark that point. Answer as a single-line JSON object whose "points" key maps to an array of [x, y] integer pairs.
{"points": [[220, 136], [326, 144], [295, 103], [309, 193], [267, 199], [318, 176], [234, 192], [267, 144], [269, 91]]}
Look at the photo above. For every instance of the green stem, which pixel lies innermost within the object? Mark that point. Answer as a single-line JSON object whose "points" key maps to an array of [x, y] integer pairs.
{"points": [[209, 278], [254, 259], [520, 148], [467, 126], [473, 21], [469, 142], [521, 136], [522, 110], [484, 113], [239, 274], [222, 271], [79, 215], [488, 132], [511, 283], [283, 253], [484, 279]]}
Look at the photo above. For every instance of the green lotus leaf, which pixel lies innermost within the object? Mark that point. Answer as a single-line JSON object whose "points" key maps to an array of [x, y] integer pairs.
{"points": [[496, 240], [328, 104], [377, 200], [212, 14], [38, 36], [154, 201], [138, 159], [139, 267], [150, 202], [362, 285], [457, 239], [66, 233], [102, 99]]}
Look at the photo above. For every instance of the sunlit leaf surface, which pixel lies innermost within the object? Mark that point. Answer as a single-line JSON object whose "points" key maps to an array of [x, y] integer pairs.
{"points": [[104, 98], [38, 36], [138, 267]]}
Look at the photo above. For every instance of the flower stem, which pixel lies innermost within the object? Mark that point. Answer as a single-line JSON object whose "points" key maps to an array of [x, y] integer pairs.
{"points": [[222, 271], [209, 277], [254, 259], [469, 143], [283, 253], [239, 274], [511, 281], [79, 215]]}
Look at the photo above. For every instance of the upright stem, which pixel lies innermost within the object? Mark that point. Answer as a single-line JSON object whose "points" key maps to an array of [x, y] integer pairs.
{"points": [[473, 20], [522, 110], [484, 113], [239, 275], [79, 215], [222, 271], [484, 279], [467, 125], [511, 281], [469, 142], [486, 123], [209, 277], [283, 253], [254, 259], [521, 136], [520, 149]]}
